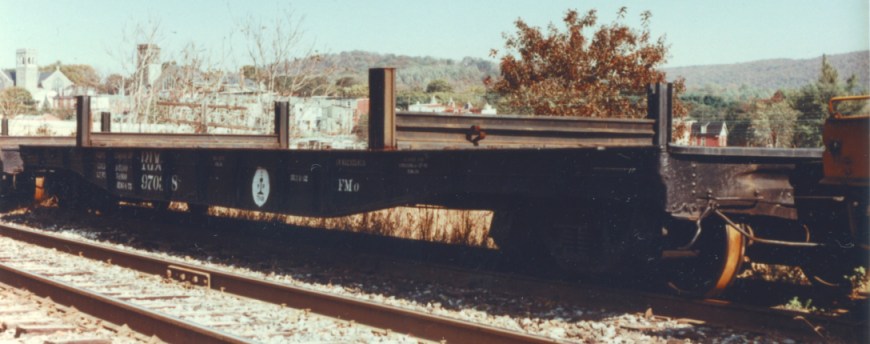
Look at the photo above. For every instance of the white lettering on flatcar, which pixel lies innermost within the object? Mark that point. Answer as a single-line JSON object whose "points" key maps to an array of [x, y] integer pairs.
{"points": [[126, 186], [151, 162], [151, 182], [218, 160], [299, 178], [350, 162], [347, 185]]}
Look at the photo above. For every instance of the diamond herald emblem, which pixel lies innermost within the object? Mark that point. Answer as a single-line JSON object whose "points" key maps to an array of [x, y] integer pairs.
{"points": [[260, 186]]}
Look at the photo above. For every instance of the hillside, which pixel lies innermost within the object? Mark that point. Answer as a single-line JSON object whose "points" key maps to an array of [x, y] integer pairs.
{"points": [[413, 72], [757, 78], [771, 75]]}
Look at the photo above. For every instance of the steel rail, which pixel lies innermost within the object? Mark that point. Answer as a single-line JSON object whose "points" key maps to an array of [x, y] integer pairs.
{"points": [[417, 324], [426, 130], [449, 130], [228, 141], [7, 142], [711, 311], [167, 328]]}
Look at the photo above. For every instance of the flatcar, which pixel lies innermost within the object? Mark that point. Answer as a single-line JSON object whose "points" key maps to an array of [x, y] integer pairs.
{"points": [[595, 196]]}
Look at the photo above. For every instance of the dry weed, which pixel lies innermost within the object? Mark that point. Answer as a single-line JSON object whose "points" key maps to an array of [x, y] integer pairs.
{"points": [[775, 273], [463, 227]]}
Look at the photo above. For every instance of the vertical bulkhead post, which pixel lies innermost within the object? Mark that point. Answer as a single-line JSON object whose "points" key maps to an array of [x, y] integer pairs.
{"points": [[4, 127], [83, 121], [660, 108], [282, 119], [382, 108], [105, 122]]}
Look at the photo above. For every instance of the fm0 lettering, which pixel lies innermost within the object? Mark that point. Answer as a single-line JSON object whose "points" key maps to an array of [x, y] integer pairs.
{"points": [[347, 185], [153, 182]]}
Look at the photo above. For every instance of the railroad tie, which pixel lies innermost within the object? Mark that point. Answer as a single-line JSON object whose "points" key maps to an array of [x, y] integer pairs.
{"points": [[14, 324], [80, 341], [42, 329]]}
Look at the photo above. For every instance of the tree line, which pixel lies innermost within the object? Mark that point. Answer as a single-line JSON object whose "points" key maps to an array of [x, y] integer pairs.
{"points": [[576, 68], [788, 118]]}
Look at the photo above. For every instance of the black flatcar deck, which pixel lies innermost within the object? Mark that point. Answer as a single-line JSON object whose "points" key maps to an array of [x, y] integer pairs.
{"points": [[332, 183]]}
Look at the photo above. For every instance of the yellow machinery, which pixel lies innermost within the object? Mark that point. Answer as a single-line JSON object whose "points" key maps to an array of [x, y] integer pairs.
{"points": [[846, 154]]}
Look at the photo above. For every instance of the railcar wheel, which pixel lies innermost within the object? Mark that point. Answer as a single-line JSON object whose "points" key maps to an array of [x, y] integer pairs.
{"points": [[624, 243], [518, 232], [161, 206], [197, 209], [74, 193], [711, 265]]}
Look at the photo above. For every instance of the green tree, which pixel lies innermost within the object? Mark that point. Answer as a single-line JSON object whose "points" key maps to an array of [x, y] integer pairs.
{"points": [[707, 107], [439, 85], [79, 74], [355, 91], [113, 84], [812, 103], [406, 98], [567, 72], [309, 87], [250, 72], [773, 124], [15, 101]]}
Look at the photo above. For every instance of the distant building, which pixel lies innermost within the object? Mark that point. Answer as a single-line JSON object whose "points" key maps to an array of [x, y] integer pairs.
{"points": [[488, 110], [48, 89], [148, 63], [434, 107], [325, 116], [709, 134]]}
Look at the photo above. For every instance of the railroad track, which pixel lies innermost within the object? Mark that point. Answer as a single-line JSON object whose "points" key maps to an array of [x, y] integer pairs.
{"points": [[712, 312], [663, 308], [26, 318], [174, 313]]}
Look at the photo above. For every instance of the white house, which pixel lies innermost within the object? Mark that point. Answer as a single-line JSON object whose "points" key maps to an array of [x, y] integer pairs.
{"points": [[322, 115], [488, 110], [433, 106]]}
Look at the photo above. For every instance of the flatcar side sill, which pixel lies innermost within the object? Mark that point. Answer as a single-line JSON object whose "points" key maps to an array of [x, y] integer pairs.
{"points": [[750, 152]]}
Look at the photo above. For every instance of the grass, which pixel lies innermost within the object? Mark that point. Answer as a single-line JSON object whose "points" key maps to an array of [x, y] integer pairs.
{"points": [[796, 304], [860, 282], [471, 228]]}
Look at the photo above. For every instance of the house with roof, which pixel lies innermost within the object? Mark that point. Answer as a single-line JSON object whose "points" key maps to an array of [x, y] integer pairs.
{"points": [[48, 89], [709, 134], [451, 107], [432, 107], [324, 115]]}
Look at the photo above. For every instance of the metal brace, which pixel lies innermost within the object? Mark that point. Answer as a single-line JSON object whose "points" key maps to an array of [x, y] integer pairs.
{"points": [[475, 134]]}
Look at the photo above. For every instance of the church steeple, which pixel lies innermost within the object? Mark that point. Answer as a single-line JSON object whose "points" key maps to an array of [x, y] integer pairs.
{"points": [[26, 70]]}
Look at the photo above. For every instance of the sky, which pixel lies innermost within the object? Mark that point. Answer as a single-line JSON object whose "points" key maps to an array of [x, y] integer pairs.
{"points": [[700, 32]]}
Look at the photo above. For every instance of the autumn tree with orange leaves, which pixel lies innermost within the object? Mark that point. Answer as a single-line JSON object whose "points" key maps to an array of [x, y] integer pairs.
{"points": [[567, 73]]}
